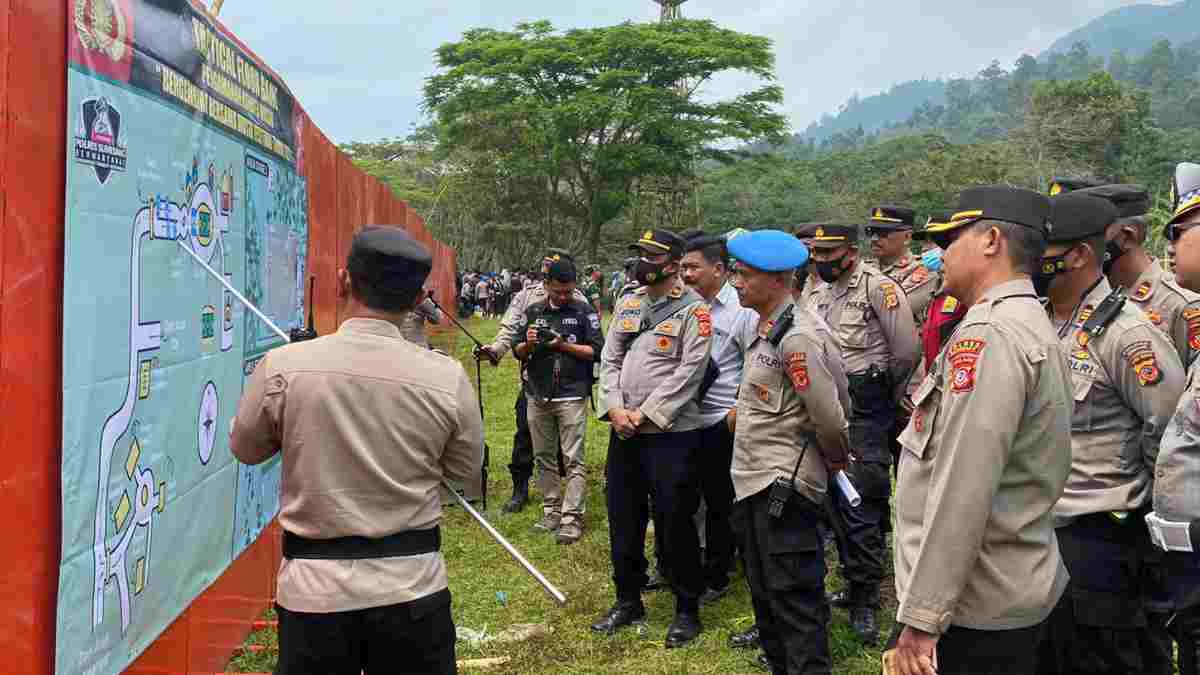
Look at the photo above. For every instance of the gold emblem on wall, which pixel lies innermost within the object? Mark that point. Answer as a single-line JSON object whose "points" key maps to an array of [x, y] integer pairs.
{"points": [[101, 27]]}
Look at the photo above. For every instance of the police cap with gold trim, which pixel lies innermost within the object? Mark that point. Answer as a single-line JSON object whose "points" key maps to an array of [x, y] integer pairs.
{"points": [[1078, 215], [833, 236], [1129, 200], [805, 231], [389, 260], [939, 217], [657, 242], [892, 217], [1185, 191], [994, 202], [769, 250], [553, 254], [1059, 185]]}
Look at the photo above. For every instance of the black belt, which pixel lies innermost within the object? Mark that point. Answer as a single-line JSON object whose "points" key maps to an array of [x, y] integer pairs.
{"points": [[411, 542]]}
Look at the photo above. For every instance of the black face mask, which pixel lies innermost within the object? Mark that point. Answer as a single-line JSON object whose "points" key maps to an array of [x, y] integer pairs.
{"points": [[801, 276], [1051, 267], [829, 270], [1112, 251], [648, 273]]}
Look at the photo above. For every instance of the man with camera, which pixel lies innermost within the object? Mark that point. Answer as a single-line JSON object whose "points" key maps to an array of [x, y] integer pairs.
{"points": [[562, 340], [791, 438]]}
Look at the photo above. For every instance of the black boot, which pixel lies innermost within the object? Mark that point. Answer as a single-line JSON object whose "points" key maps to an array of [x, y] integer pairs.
{"points": [[685, 628], [520, 497], [745, 640], [622, 614]]}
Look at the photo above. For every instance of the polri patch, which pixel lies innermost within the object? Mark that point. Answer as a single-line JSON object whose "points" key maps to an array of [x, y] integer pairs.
{"points": [[797, 366], [705, 318], [890, 299], [1141, 358], [964, 357], [1192, 317]]}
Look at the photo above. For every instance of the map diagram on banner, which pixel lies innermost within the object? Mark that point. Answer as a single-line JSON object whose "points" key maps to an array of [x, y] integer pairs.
{"points": [[156, 353]]}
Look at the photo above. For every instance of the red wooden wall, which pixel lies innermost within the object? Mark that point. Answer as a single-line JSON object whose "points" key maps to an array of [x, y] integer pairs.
{"points": [[32, 159]]}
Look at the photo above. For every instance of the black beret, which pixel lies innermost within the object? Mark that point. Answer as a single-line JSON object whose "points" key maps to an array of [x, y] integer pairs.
{"points": [[833, 236], [1130, 200], [1059, 185], [1077, 215], [994, 202], [892, 217], [562, 270], [657, 242], [389, 258]]}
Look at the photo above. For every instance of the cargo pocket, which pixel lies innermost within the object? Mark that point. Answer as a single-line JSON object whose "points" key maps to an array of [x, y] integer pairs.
{"points": [[796, 559], [852, 328], [666, 336], [915, 437], [762, 389]]}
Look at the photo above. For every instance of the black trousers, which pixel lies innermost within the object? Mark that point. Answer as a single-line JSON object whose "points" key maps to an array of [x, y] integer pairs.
{"points": [[965, 651], [716, 484], [1101, 625], [785, 569], [1177, 608], [411, 638], [859, 530], [665, 465]]}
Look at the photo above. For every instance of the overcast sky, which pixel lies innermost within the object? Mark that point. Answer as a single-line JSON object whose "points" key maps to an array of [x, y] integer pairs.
{"points": [[357, 66]]}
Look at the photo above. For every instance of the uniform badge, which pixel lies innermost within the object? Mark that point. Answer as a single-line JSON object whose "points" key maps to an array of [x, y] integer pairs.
{"points": [[918, 277], [676, 292], [764, 394], [664, 343], [890, 299], [964, 356], [1141, 358], [1192, 317], [705, 318], [797, 366], [1082, 339], [594, 321], [1154, 317], [666, 327], [628, 325], [1143, 291], [1085, 314], [635, 303], [949, 305]]}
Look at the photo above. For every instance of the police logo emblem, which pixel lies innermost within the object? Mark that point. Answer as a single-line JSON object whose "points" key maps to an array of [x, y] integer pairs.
{"points": [[98, 140]]}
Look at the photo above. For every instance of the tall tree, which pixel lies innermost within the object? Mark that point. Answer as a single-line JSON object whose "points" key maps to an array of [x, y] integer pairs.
{"points": [[588, 112]]}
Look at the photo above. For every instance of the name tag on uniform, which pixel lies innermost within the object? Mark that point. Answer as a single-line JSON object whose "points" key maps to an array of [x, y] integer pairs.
{"points": [[767, 360]]}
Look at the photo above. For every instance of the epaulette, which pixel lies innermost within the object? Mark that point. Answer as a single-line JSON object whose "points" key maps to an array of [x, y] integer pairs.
{"points": [[1108, 310]]}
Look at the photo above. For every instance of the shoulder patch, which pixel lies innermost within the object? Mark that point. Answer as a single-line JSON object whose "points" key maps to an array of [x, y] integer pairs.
{"points": [[1141, 358], [964, 356], [1142, 292], [891, 300], [1192, 317], [704, 316], [919, 276], [797, 367]]}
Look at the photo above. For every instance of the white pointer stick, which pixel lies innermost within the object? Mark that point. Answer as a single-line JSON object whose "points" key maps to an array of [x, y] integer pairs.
{"points": [[848, 490], [558, 595]]}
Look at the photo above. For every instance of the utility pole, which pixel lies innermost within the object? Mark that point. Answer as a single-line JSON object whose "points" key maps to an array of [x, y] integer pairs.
{"points": [[670, 9]]}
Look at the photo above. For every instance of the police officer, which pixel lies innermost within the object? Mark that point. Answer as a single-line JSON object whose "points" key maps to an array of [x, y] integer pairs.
{"points": [[591, 288], [705, 268], [808, 282], [562, 340], [890, 229], [1173, 524], [1172, 308], [1127, 379], [1185, 195], [654, 359], [367, 424], [511, 330], [986, 454], [870, 315], [792, 435], [944, 311]]}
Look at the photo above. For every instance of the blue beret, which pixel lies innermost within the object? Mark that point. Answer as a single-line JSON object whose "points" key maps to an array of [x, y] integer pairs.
{"points": [[769, 250]]}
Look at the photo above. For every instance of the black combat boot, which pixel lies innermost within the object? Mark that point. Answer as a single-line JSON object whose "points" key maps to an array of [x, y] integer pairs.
{"points": [[520, 497]]}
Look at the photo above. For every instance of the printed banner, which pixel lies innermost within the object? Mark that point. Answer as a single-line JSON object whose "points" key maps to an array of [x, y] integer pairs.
{"points": [[180, 143]]}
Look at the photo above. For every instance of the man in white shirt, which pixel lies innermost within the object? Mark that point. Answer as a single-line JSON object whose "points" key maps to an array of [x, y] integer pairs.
{"points": [[705, 268]]}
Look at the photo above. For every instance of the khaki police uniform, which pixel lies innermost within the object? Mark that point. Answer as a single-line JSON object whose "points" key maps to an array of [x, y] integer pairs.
{"points": [[1172, 308], [344, 479], [919, 284], [791, 414], [985, 456], [658, 371]]}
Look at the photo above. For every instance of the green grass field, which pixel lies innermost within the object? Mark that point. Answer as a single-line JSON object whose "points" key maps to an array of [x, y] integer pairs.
{"points": [[480, 569]]}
